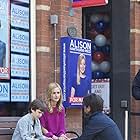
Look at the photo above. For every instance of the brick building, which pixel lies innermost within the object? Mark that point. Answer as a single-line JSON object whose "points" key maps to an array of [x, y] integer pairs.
{"points": [[44, 68], [45, 50], [45, 47]]}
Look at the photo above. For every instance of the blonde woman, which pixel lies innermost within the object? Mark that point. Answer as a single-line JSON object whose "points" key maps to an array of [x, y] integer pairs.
{"points": [[53, 119], [80, 86]]}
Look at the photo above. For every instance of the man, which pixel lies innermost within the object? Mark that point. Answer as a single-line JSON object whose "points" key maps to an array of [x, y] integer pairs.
{"points": [[136, 86], [28, 127], [98, 125]]}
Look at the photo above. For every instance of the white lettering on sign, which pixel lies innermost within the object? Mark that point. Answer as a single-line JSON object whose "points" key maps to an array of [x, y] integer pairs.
{"points": [[80, 46]]}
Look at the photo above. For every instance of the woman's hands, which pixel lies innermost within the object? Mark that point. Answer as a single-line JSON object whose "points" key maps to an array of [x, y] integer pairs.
{"points": [[63, 137]]}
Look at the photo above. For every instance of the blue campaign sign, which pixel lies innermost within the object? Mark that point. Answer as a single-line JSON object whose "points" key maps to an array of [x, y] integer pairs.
{"points": [[19, 16], [75, 70], [4, 92]]}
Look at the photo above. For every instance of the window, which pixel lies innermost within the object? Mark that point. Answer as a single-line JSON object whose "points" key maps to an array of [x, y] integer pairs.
{"points": [[15, 57]]}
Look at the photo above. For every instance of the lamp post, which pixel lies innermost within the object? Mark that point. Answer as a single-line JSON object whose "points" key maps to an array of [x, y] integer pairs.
{"points": [[54, 22]]}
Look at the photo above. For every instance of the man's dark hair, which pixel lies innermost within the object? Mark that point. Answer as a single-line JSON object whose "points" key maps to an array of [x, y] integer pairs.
{"points": [[37, 104], [94, 101]]}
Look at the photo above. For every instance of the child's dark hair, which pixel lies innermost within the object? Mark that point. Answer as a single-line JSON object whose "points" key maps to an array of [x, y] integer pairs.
{"points": [[94, 101], [37, 104]]}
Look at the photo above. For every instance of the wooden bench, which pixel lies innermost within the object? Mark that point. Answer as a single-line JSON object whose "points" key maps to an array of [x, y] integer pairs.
{"points": [[7, 126]]}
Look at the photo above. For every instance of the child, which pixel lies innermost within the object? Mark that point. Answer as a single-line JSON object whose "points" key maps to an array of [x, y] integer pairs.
{"points": [[53, 119], [28, 127]]}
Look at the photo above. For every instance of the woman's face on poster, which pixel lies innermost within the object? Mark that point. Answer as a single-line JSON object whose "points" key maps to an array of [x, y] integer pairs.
{"points": [[82, 66]]}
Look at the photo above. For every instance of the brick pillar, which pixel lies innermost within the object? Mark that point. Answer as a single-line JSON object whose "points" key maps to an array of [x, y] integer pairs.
{"points": [[45, 48], [135, 64]]}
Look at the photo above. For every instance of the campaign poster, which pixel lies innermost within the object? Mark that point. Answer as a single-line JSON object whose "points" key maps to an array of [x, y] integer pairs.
{"points": [[19, 90], [75, 70], [4, 92], [19, 65], [102, 87], [19, 41], [4, 39], [19, 16]]}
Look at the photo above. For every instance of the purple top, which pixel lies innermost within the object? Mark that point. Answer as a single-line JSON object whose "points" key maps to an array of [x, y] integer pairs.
{"points": [[54, 122]]}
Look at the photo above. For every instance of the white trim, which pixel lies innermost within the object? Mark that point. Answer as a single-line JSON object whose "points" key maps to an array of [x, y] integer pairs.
{"points": [[43, 7], [106, 1], [126, 125], [33, 49], [42, 49], [134, 30], [134, 0], [135, 62]]}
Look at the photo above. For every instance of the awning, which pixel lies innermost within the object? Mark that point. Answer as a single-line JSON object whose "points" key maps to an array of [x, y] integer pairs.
{"points": [[88, 3]]}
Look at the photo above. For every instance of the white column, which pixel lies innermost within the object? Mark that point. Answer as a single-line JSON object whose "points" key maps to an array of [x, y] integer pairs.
{"points": [[33, 48]]}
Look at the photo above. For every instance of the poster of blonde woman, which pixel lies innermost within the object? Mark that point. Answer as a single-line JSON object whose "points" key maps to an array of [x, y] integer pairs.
{"points": [[75, 69], [4, 39], [80, 84]]}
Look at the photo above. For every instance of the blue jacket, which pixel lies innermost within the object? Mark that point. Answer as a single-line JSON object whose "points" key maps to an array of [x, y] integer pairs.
{"points": [[100, 127], [24, 129], [136, 86]]}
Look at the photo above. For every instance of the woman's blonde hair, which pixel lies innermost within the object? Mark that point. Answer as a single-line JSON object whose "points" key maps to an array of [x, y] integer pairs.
{"points": [[80, 58], [59, 104]]}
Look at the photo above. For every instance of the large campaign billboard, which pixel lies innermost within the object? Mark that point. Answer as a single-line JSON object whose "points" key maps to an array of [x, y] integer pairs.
{"points": [[75, 70], [14, 57], [4, 39]]}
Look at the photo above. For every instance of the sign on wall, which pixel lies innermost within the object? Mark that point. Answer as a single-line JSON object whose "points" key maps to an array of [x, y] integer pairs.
{"points": [[19, 41], [19, 16], [102, 87], [19, 90], [4, 91], [19, 65], [75, 73]]}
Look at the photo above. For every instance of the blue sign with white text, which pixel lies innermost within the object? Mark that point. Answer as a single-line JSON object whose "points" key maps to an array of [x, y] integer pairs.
{"points": [[75, 70]]}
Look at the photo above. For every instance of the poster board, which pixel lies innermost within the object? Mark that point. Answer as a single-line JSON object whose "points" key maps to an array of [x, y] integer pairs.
{"points": [[75, 58], [102, 87]]}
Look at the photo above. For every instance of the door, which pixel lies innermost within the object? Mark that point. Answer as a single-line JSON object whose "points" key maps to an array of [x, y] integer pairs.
{"points": [[108, 29]]}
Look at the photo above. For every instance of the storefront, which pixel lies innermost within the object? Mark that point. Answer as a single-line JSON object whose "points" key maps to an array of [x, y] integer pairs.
{"points": [[32, 56], [15, 70]]}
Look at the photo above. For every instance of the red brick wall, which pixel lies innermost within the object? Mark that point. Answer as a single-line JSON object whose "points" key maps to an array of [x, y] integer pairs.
{"points": [[45, 48], [45, 52], [135, 64]]}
